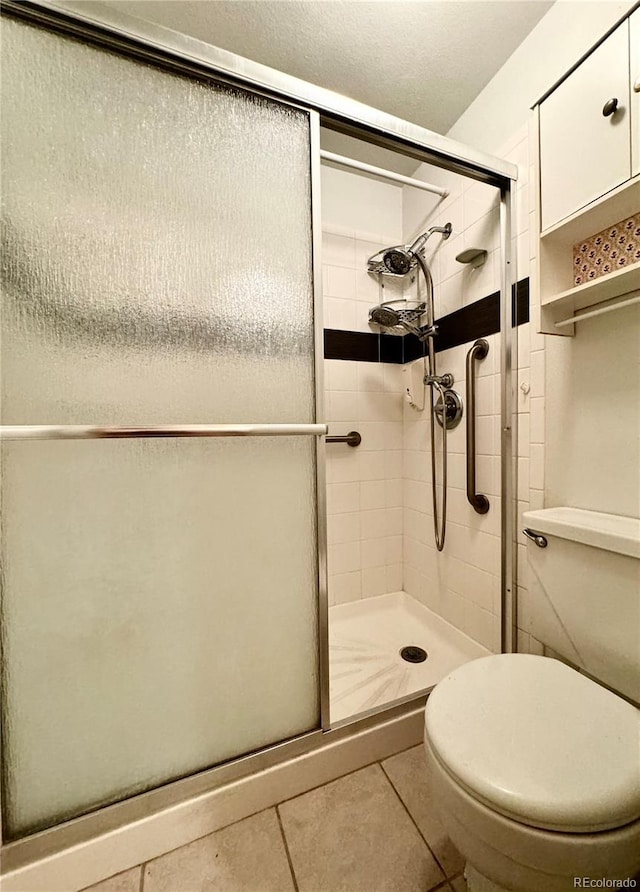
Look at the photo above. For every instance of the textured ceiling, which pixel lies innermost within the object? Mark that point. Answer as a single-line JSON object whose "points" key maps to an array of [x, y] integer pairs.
{"points": [[423, 60]]}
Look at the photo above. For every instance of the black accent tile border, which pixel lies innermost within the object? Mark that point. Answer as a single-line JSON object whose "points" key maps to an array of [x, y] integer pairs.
{"points": [[362, 346], [391, 348], [479, 320], [358, 346]]}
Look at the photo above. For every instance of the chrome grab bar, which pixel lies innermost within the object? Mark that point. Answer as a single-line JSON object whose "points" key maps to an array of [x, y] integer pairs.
{"points": [[353, 438], [479, 502], [89, 432]]}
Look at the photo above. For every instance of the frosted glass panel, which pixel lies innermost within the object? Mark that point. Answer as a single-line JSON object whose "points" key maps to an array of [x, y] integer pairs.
{"points": [[157, 251], [161, 612], [160, 596]]}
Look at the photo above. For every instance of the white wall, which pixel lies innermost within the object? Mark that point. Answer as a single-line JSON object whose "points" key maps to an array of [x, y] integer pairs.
{"points": [[559, 39], [593, 416], [357, 203]]}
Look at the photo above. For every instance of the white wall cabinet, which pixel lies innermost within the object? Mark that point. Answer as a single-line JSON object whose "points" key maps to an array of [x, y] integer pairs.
{"points": [[583, 151], [588, 176]]}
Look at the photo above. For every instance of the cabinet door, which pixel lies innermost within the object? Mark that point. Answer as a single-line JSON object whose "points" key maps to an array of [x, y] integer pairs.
{"points": [[583, 152], [634, 44]]}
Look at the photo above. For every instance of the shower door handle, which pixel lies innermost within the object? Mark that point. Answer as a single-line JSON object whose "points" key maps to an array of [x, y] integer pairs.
{"points": [[479, 502]]}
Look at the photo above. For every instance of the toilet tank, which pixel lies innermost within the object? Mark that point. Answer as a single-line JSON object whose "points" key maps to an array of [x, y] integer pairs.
{"points": [[583, 595]]}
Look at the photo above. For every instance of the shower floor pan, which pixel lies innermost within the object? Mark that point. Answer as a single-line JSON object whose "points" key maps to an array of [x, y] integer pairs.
{"points": [[365, 640]]}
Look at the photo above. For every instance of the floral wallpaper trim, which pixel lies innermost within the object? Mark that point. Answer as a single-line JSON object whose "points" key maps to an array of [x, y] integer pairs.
{"points": [[606, 251]]}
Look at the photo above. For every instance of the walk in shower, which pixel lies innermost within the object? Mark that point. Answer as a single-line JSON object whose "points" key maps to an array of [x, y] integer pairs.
{"points": [[164, 528], [397, 630]]}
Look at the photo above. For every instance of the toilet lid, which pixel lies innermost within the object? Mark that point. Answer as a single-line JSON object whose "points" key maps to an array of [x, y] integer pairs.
{"points": [[538, 742]]}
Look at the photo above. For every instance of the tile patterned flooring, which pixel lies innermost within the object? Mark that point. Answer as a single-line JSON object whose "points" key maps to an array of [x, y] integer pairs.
{"points": [[375, 830]]}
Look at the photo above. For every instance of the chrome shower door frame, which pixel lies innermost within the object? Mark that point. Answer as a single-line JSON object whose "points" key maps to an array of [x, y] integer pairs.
{"points": [[109, 28], [508, 427]]}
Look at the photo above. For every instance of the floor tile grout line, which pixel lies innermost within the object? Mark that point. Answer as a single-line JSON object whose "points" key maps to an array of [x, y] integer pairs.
{"points": [[184, 845], [333, 779], [422, 836], [286, 848], [276, 805], [341, 776], [443, 887]]}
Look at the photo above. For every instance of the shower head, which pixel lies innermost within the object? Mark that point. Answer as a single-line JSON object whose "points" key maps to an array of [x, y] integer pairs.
{"points": [[399, 260], [406, 318], [385, 317]]}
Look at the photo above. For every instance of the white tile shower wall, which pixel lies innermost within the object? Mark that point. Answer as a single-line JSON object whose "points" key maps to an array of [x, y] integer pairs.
{"points": [[360, 216], [472, 210], [364, 484], [530, 379], [463, 582]]}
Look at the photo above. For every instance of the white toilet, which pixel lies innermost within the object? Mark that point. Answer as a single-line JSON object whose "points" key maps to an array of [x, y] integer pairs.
{"points": [[536, 767]]}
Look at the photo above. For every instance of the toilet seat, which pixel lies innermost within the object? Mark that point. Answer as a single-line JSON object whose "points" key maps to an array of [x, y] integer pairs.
{"points": [[539, 743]]}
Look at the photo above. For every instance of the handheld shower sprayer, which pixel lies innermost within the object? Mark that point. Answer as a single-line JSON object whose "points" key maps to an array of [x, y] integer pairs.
{"points": [[388, 318]]}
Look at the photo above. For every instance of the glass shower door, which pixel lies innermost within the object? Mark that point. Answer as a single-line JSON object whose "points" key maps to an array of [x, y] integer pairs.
{"points": [[160, 594]]}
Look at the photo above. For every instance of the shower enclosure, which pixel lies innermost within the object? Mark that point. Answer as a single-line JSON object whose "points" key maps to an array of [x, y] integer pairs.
{"points": [[164, 612]]}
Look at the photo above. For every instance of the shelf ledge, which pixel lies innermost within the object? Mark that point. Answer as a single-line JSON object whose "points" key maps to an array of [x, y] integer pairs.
{"points": [[616, 284], [606, 308]]}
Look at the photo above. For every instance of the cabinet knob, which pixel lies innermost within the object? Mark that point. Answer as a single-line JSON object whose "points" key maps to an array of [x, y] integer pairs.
{"points": [[636, 85], [609, 107]]}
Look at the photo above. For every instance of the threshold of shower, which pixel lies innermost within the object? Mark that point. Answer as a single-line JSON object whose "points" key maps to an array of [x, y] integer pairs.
{"points": [[367, 668]]}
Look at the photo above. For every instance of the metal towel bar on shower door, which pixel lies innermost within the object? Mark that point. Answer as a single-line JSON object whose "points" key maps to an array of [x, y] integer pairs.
{"points": [[479, 502], [90, 432]]}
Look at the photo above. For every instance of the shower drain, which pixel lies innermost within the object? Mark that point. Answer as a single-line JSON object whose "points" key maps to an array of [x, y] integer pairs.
{"points": [[413, 654]]}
